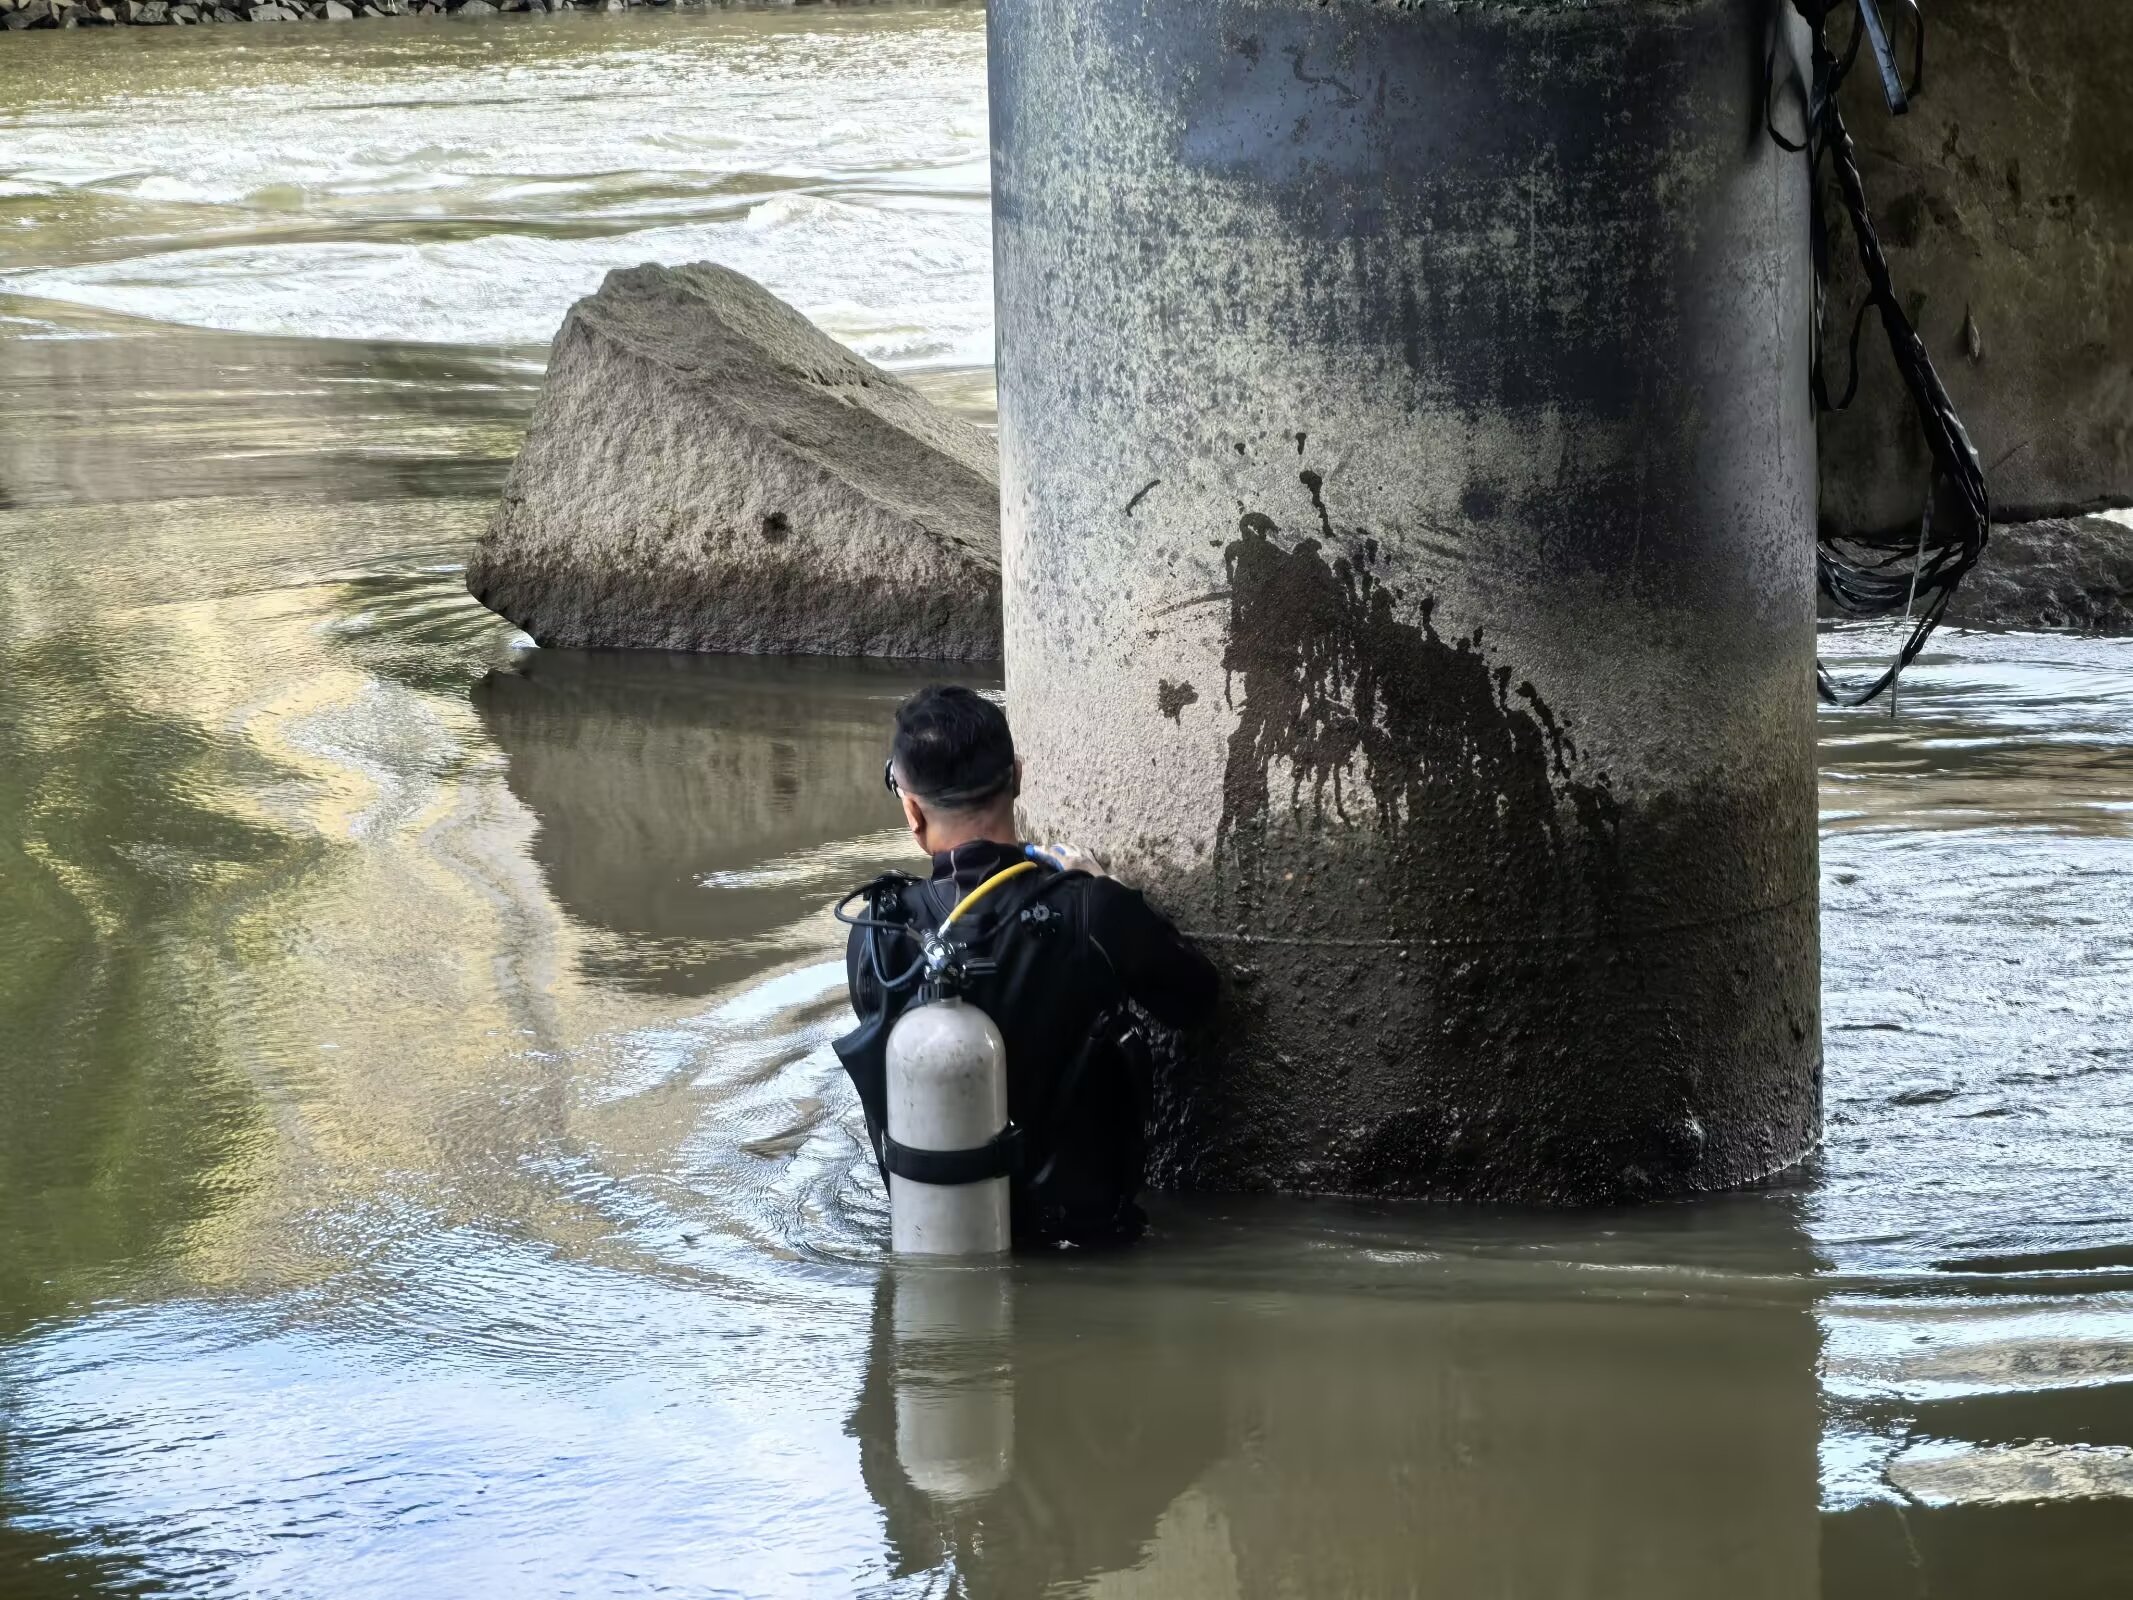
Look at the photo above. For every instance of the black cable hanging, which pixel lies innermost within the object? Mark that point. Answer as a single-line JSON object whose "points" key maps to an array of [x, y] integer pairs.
{"points": [[1870, 574]]}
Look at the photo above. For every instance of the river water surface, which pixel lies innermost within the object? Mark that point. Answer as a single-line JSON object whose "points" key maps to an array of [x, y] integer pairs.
{"points": [[422, 1168]]}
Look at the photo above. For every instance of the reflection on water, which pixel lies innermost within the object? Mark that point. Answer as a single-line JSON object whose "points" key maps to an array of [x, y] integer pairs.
{"points": [[1289, 1399], [131, 416], [423, 1163], [699, 808]]}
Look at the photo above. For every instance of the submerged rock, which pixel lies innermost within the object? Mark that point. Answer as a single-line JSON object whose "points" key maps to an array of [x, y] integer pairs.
{"points": [[2005, 198], [2058, 574], [707, 470]]}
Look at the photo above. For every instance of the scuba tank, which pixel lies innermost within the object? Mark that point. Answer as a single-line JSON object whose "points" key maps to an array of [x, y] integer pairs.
{"points": [[948, 1148], [947, 1097]]}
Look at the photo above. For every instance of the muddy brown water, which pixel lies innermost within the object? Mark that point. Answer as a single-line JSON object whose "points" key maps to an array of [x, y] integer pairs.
{"points": [[422, 1169]]}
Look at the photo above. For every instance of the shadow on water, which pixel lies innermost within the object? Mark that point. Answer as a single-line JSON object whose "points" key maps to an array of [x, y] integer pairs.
{"points": [[696, 807]]}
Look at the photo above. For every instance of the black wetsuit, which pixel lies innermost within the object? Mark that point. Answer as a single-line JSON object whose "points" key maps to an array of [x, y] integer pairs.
{"points": [[1072, 951]]}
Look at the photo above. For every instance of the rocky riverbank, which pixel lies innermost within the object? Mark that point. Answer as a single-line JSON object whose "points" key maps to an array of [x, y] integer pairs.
{"points": [[16, 15]]}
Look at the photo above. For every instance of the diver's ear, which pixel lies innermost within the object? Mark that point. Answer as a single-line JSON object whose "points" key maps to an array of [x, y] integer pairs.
{"points": [[1014, 788], [914, 819]]}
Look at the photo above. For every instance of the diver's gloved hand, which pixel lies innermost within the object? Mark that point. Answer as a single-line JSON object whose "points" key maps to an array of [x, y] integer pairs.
{"points": [[1066, 858]]}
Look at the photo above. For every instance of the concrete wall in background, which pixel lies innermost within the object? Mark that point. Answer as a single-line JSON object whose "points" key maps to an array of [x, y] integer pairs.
{"points": [[2005, 198]]}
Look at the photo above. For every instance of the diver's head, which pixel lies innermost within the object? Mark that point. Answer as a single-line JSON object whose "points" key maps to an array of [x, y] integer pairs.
{"points": [[953, 765]]}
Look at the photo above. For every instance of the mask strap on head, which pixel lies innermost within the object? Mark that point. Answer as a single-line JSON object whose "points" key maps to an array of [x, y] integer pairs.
{"points": [[968, 795]]}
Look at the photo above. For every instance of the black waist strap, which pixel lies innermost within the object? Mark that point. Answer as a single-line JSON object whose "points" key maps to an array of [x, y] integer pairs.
{"points": [[999, 1157]]}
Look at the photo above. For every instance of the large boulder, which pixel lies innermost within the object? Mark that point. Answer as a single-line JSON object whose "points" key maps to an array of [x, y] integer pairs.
{"points": [[2057, 574], [707, 470], [2005, 199]]}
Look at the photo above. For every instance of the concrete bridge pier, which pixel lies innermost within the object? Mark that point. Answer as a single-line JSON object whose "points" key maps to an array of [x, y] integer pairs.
{"points": [[1409, 484]]}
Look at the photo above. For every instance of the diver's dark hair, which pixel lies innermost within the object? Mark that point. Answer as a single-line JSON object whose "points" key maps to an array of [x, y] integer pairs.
{"points": [[953, 747]]}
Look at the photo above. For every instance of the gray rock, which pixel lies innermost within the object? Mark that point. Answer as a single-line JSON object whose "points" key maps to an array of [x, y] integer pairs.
{"points": [[2005, 199], [475, 8], [707, 470], [2057, 574], [336, 12], [272, 13]]}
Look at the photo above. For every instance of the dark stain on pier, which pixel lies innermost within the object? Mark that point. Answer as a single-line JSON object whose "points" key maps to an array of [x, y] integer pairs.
{"points": [[1172, 698], [1329, 679]]}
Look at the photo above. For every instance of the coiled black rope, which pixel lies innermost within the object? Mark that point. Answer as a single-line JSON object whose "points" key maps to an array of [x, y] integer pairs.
{"points": [[1878, 574]]}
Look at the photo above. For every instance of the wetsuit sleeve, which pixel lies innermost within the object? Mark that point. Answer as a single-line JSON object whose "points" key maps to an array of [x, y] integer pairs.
{"points": [[1158, 966]]}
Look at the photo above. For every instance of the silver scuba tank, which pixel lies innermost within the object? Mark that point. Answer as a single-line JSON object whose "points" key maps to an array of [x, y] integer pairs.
{"points": [[947, 1118]]}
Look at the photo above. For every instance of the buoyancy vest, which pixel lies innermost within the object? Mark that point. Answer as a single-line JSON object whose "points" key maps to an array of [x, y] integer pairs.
{"points": [[1077, 1059]]}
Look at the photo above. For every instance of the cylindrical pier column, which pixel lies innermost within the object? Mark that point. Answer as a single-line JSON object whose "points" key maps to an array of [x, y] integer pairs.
{"points": [[1408, 475]]}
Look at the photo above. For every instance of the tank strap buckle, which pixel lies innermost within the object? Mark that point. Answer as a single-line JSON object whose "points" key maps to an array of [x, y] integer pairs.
{"points": [[999, 1157]]}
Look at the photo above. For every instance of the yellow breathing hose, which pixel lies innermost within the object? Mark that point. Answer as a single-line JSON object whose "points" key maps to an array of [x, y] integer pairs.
{"points": [[986, 888]]}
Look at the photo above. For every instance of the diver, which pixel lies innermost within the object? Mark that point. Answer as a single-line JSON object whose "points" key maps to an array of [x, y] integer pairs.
{"points": [[1068, 952]]}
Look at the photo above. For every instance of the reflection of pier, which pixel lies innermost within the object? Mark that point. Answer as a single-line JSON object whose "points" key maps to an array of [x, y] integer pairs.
{"points": [[1518, 1419], [697, 805]]}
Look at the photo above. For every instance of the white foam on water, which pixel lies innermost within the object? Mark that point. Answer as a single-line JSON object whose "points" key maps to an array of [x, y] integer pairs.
{"points": [[902, 285], [467, 192]]}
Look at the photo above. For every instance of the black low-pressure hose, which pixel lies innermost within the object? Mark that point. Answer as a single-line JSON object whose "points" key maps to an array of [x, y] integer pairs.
{"points": [[1878, 574], [878, 929]]}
